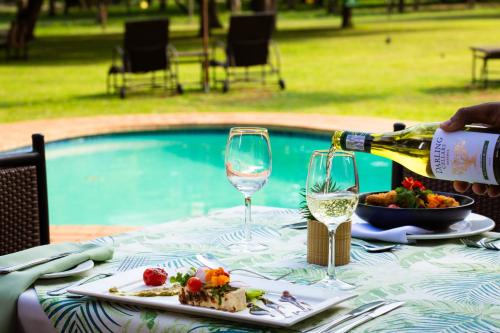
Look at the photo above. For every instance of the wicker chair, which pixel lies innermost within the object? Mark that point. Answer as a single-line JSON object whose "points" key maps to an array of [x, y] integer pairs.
{"points": [[484, 205], [24, 218]]}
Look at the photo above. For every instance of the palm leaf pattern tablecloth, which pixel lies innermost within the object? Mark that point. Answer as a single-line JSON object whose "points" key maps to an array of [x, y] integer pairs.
{"points": [[447, 286]]}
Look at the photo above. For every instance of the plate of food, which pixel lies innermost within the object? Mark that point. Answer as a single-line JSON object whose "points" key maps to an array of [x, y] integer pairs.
{"points": [[216, 293], [413, 204]]}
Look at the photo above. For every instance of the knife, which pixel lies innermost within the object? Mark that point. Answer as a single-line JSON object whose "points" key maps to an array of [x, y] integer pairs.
{"points": [[374, 314], [298, 225], [352, 314], [35, 262]]}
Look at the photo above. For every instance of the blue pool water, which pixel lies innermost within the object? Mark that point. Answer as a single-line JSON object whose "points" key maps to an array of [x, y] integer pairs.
{"points": [[154, 177]]}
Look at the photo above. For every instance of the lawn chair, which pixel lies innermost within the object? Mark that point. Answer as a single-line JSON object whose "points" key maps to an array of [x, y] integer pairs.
{"points": [[15, 40], [146, 50], [485, 54], [24, 216], [484, 205], [248, 44]]}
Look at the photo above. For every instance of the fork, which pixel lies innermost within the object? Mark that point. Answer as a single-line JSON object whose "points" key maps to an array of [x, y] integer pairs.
{"points": [[375, 248], [211, 263], [485, 242], [129, 262]]}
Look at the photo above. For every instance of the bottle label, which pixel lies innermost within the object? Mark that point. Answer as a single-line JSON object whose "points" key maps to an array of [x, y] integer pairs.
{"points": [[465, 156], [355, 141]]}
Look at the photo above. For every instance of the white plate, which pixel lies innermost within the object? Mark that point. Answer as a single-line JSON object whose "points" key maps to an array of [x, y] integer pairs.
{"points": [[83, 267], [474, 224], [319, 298]]}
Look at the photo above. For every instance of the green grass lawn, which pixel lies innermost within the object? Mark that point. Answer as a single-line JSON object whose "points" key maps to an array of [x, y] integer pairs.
{"points": [[423, 74]]}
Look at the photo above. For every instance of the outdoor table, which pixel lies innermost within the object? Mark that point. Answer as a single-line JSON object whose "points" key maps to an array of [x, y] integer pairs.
{"points": [[446, 286]]}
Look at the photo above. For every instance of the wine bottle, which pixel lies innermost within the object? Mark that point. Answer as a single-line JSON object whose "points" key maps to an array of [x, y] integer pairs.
{"points": [[471, 155]]}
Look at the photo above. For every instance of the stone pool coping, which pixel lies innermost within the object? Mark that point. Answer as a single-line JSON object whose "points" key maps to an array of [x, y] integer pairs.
{"points": [[15, 135], [18, 134]]}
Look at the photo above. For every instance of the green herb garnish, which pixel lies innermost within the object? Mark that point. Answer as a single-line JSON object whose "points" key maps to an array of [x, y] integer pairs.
{"points": [[183, 278]]}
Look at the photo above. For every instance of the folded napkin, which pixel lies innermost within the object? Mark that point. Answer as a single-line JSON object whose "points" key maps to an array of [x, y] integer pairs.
{"points": [[14, 284], [364, 230]]}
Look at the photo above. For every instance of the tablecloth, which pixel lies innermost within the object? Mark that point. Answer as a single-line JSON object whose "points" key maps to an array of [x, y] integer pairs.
{"points": [[447, 287]]}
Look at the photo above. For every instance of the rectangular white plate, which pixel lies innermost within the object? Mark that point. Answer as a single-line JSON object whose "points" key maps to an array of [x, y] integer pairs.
{"points": [[319, 298]]}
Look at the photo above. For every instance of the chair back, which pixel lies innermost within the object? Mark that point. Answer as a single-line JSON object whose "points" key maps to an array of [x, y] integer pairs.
{"points": [[248, 39], [145, 45], [484, 205], [24, 216]]}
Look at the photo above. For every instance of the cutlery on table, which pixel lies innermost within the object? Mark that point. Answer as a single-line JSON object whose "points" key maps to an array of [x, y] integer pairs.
{"points": [[372, 315], [485, 242], [297, 226], [258, 311], [276, 307], [348, 316], [32, 263], [287, 297], [129, 262], [210, 263], [376, 248]]}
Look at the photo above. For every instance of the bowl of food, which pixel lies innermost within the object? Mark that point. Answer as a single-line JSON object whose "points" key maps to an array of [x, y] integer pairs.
{"points": [[413, 204]]}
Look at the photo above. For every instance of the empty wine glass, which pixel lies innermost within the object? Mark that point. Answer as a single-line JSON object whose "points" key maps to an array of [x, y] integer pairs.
{"points": [[248, 167], [332, 195]]}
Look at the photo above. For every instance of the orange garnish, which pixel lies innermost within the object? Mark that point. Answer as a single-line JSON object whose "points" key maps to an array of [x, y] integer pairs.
{"points": [[216, 277]]}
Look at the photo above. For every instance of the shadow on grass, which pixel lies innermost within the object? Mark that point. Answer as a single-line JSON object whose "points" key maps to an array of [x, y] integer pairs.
{"points": [[251, 98], [466, 88], [61, 50]]}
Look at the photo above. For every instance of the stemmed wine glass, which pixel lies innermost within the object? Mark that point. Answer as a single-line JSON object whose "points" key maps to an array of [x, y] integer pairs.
{"points": [[332, 195], [248, 167]]}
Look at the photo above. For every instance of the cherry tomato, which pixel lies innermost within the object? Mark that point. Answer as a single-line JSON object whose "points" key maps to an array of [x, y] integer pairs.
{"points": [[154, 276], [194, 284]]}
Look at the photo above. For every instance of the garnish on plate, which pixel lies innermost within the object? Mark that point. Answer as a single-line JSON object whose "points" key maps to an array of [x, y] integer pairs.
{"points": [[162, 291], [412, 194], [154, 276], [211, 288]]}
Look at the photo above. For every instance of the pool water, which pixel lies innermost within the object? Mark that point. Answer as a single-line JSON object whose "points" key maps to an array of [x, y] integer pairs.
{"points": [[153, 177]]}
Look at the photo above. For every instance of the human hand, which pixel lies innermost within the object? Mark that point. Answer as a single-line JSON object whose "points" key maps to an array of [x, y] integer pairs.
{"points": [[487, 114]]}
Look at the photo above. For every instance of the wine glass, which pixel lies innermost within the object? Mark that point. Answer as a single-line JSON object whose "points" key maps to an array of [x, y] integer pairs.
{"points": [[248, 167], [332, 195]]}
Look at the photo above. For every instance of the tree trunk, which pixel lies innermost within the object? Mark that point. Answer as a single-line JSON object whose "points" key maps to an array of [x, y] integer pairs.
{"points": [[163, 5], [346, 16], [213, 16], [401, 6], [235, 6], [102, 13], [331, 6], [52, 7], [416, 5], [263, 5], [29, 14], [471, 3], [290, 4]]}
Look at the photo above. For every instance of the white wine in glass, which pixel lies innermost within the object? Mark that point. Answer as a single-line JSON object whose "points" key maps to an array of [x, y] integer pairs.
{"points": [[248, 167], [332, 196]]}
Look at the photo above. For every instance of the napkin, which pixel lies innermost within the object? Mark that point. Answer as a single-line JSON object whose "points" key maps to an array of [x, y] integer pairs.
{"points": [[364, 230], [14, 284]]}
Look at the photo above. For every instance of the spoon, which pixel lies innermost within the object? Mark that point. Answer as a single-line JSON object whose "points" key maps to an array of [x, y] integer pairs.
{"points": [[375, 248]]}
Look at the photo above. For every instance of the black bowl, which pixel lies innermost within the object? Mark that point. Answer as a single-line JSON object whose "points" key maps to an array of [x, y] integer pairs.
{"points": [[427, 218]]}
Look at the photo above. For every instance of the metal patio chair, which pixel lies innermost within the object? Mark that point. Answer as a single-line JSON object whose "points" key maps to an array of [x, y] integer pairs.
{"points": [[146, 50], [484, 54], [24, 216], [248, 44], [484, 205]]}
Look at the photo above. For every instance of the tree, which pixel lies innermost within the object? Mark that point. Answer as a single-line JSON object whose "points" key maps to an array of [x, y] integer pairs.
{"points": [[213, 16], [346, 15], [29, 13]]}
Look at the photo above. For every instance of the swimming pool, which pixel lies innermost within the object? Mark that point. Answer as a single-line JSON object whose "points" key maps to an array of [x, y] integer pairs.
{"points": [[153, 177]]}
